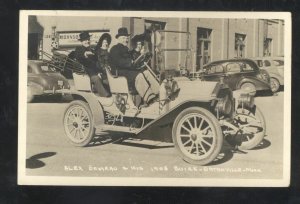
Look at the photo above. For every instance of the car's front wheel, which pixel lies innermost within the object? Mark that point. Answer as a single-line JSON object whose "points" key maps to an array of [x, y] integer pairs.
{"points": [[197, 135], [275, 85], [78, 123]]}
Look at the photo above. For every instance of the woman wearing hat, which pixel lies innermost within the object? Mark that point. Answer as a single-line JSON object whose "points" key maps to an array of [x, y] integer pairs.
{"points": [[102, 51]]}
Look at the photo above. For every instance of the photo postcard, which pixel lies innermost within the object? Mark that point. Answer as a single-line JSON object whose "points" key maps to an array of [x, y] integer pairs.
{"points": [[156, 98]]}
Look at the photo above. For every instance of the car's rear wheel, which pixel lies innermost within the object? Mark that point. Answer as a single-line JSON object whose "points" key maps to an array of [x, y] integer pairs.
{"points": [[252, 127], [275, 85], [249, 88], [78, 123], [30, 96], [197, 136]]}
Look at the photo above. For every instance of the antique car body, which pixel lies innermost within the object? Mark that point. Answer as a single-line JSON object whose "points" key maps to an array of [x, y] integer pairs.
{"points": [[43, 81], [237, 74], [275, 67], [201, 114]]}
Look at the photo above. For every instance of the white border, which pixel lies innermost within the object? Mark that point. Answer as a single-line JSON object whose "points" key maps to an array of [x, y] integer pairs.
{"points": [[128, 181]]}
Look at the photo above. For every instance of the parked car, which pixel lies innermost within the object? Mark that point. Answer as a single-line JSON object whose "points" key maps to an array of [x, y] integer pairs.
{"points": [[201, 114], [43, 80], [237, 74], [275, 67]]}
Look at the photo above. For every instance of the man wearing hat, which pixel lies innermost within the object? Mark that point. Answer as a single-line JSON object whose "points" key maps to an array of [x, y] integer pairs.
{"points": [[88, 59], [120, 58]]}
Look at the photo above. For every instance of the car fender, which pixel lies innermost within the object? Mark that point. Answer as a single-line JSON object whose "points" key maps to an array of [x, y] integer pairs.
{"points": [[94, 104], [278, 77], [35, 88], [259, 85]]}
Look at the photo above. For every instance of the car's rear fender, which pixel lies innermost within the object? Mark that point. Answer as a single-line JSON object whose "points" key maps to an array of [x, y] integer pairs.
{"points": [[95, 106], [170, 116]]}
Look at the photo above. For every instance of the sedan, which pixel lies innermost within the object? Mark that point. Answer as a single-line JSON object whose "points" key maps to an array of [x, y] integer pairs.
{"points": [[43, 80], [237, 74], [275, 67]]}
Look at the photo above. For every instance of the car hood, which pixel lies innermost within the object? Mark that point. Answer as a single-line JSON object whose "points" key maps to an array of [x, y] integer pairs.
{"points": [[195, 90]]}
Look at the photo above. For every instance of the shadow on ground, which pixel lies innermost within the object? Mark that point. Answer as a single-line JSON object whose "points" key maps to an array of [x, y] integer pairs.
{"points": [[263, 145], [34, 161]]}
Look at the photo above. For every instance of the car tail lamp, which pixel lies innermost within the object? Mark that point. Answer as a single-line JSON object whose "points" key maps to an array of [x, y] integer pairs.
{"points": [[246, 100], [224, 106]]}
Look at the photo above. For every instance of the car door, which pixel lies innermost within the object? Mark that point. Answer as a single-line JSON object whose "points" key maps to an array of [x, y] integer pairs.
{"points": [[232, 74]]}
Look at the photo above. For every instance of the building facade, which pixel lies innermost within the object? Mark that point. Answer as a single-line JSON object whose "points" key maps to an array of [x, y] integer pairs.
{"points": [[174, 42]]}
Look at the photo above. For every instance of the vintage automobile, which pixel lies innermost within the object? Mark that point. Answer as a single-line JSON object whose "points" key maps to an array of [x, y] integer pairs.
{"points": [[275, 67], [237, 74], [42, 80], [201, 114]]}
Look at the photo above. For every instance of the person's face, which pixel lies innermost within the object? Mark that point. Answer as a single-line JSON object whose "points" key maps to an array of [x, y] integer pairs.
{"points": [[104, 44], [86, 43], [139, 46], [124, 40]]}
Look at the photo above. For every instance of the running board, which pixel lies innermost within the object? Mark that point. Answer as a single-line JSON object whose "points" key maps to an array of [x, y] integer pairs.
{"points": [[114, 128]]}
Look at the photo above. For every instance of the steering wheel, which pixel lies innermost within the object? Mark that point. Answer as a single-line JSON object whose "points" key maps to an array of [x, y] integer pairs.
{"points": [[139, 63]]}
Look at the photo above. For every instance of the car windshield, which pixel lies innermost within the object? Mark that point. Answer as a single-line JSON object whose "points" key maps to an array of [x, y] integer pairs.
{"points": [[278, 63]]}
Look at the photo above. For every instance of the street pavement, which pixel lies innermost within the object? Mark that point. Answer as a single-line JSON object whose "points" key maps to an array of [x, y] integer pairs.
{"points": [[49, 153]]}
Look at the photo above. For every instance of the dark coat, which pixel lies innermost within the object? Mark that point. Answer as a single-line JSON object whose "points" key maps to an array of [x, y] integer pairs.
{"points": [[120, 57], [134, 54], [103, 59], [90, 63]]}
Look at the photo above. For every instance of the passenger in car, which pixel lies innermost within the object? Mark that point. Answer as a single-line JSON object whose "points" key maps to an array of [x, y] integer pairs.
{"points": [[102, 54], [138, 44], [85, 55]]}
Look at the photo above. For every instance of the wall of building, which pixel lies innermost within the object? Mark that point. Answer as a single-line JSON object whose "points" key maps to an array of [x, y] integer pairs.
{"points": [[222, 34]]}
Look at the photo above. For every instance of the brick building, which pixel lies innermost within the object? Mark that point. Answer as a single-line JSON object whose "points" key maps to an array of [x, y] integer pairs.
{"points": [[207, 39]]}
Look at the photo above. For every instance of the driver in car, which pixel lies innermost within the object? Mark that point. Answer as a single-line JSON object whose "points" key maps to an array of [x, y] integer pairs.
{"points": [[121, 61]]}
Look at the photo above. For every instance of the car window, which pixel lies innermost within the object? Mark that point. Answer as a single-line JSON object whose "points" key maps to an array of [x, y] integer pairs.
{"points": [[267, 63], [278, 62], [259, 63], [29, 69], [214, 69], [233, 68], [46, 68], [246, 67]]}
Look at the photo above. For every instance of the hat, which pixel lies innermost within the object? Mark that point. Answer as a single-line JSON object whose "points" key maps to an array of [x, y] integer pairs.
{"points": [[122, 32], [138, 38], [104, 36], [84, 36]]}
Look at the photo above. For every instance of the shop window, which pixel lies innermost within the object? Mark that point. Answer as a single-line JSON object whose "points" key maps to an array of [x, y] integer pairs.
{"points": [[268, 47], [240, 45], [203, 47]]}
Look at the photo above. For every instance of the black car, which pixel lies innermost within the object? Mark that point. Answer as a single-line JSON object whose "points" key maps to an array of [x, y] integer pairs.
{"points": [[237, 74]]}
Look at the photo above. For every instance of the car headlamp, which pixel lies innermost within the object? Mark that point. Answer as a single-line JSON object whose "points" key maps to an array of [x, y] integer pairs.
{"points": [[246, 100], [224, 106]]}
